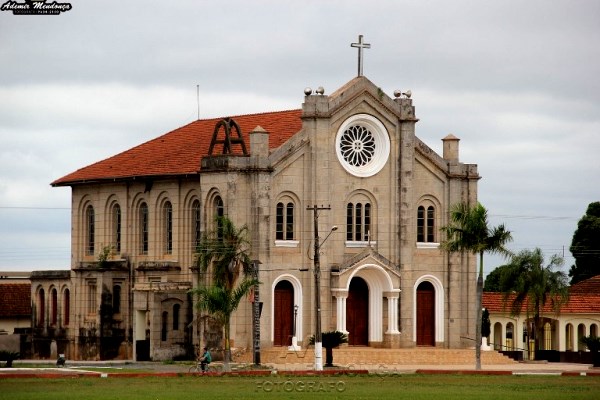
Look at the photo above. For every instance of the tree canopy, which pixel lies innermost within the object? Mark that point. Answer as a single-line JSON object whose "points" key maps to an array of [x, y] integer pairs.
{"points": [[585, 245], [225, 251], [528, 284], [492, 280], [469, 231]]}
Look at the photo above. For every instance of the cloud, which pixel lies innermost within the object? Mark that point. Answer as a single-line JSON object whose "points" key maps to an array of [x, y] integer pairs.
{"points": [[515, 81]]}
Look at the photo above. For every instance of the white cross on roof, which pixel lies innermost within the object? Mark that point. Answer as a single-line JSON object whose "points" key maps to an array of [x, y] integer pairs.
{"points": [[360, 46]]}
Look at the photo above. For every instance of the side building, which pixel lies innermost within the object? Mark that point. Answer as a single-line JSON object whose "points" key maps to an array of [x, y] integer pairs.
{"points": [[562, 331]]}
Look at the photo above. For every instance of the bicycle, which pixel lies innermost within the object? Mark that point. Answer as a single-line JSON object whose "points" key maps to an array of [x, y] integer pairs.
{"points": [[197, 368]]}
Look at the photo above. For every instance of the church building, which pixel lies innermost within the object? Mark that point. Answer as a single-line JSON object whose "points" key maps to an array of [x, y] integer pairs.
{"points": [[345, 171]]}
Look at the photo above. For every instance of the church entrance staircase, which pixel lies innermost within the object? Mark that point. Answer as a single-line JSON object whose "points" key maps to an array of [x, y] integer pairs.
{"points": [[365, 356]]}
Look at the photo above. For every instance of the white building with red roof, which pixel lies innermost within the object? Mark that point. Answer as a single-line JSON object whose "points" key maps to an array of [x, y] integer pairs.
{"points": [[563, 330]]}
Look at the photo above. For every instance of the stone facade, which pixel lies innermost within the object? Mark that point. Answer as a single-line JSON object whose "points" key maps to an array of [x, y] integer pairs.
{"points": [[352, 162]]}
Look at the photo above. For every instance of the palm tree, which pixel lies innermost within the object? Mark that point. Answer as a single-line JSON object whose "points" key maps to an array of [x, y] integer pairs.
{"points": [[528, 283], [469, 231], [330, 341], [221, 302], [224, 252]]}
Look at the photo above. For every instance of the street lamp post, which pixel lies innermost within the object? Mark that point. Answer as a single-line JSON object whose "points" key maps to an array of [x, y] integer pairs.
{"points": [[295, 317], [317, 272]]}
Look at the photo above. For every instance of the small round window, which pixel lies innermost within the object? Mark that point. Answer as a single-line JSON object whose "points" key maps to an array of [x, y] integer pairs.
{"points": [[362, 145]]}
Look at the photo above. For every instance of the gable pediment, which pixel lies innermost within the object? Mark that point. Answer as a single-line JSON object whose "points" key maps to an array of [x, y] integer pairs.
{"points": [[353, 93], [380, 273], [368, 256]]}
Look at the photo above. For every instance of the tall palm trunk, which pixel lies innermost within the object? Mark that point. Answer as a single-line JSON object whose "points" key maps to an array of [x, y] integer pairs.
{"points": [[478, 304], [227, 350]]}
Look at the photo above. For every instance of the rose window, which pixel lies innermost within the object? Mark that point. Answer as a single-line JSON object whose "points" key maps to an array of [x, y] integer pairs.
{"points": [[357, 145], [362, 145]]}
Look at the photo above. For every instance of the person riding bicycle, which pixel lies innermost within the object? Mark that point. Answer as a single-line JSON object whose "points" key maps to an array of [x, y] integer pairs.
{"points": [[205, 360]]}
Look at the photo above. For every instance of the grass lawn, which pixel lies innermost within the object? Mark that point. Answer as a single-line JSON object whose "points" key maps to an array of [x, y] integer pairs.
{"points": [[409, 386]]}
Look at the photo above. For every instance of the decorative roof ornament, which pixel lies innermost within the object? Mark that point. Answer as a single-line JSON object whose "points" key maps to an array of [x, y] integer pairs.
{"points": [[360, 45], [228, 141]]}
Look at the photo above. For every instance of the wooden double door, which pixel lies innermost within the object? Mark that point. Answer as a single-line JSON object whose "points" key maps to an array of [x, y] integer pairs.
{"points": [[425, 314], [283, 322], [357, 313]]}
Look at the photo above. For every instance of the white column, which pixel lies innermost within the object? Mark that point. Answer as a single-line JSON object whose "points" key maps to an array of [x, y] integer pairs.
{"points": [[341, 312], [518, 336], [560, 335], [392, 314]]}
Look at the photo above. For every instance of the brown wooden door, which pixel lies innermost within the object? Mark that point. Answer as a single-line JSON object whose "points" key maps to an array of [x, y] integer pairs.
{"points": [[284, 313], [425, 314], [357, 313]]}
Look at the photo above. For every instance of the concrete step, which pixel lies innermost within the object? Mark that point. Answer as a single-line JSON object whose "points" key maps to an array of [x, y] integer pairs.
{"points": [[371, 356]]}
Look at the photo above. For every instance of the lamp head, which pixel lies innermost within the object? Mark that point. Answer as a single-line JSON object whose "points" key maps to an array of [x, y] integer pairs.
{"points": [[334, 228]]}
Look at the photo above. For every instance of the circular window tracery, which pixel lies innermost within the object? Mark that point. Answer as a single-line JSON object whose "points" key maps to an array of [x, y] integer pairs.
{"points": [[362, 145], [357, 145]]}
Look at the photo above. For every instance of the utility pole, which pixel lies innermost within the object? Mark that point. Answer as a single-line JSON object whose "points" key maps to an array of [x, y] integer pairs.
{"points": [[317, 272], [256, 316]]}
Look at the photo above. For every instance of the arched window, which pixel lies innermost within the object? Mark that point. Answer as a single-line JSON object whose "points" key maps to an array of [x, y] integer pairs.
{"points": [[426, 224], [116, 228], [66, 306], [358, 222], [41, 306], [430, 224], [510, 344], [219, 213], [196, 232], [168, 227], [547, 336], [91, 296], [176, 309], [163, 331], [284, 221], [53, 307], [90, 221], [569, 337], [580, 335], [144, 228], [117, 299]]}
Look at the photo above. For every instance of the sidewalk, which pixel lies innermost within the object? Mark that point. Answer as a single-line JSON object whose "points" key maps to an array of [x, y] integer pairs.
{"points": [[515, 369], [128, 368]]}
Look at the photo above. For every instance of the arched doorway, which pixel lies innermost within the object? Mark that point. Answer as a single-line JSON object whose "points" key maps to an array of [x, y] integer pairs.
{"points": [[425, 314], [283, 323], [357, 313], [497, 336], [510, 337]]}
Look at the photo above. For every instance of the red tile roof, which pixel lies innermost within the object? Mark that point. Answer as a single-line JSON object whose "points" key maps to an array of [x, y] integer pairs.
{"points": [[578, 304], [179, 152], [15, 300], [588, 286]]}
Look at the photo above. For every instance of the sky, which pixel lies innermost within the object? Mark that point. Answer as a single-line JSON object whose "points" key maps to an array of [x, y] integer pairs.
{"points": [[517, 81]]}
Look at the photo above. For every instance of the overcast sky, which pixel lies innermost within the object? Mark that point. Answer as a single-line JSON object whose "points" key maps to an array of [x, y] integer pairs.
{"points": [[517, 81]]}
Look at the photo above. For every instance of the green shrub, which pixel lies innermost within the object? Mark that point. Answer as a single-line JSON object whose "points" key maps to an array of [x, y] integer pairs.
{"points": [[9, 356], [330, 340], [592, 343]]}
